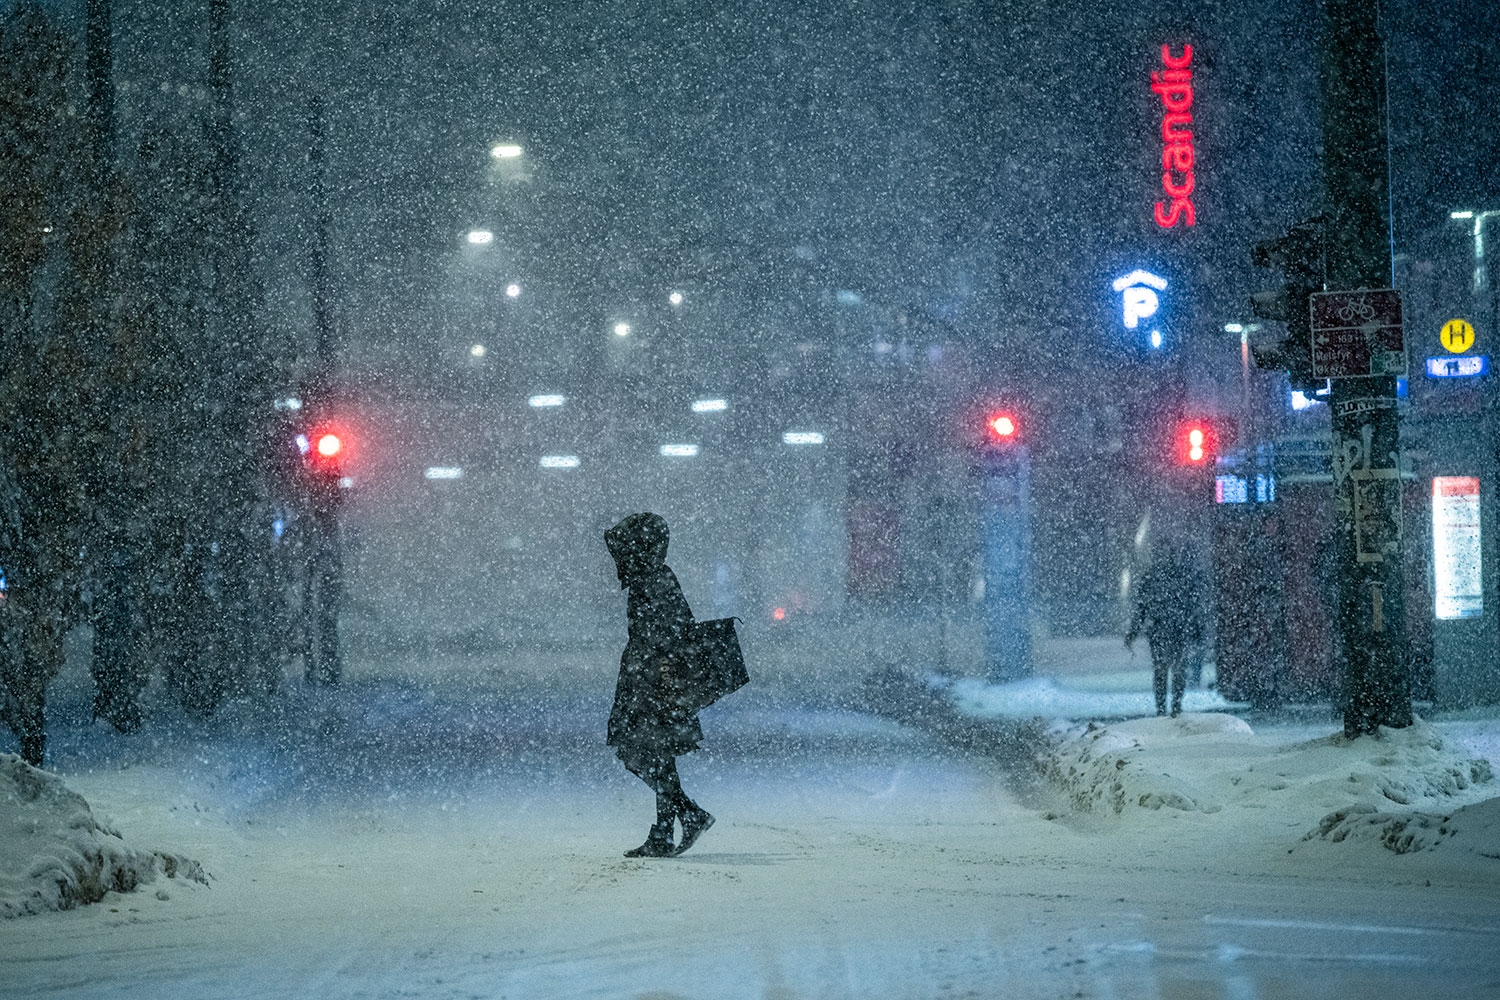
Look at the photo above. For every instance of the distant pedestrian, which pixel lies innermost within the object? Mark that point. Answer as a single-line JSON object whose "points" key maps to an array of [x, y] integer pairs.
{"points": [[649, 726], [1169, 610]]}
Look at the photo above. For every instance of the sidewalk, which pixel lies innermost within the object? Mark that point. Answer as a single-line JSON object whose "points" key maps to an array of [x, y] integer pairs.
{"points": [[1082, 679]]}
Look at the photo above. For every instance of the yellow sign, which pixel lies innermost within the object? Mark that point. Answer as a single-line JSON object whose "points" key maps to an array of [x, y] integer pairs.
{"points": [[1458, 335]]}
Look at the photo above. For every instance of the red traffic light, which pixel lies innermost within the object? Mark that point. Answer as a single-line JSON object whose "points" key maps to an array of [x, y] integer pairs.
{"points": [[1002, 427], [325, 450], [1197, 443]]}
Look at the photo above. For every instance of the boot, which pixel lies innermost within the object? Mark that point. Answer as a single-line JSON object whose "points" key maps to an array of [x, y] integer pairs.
{"points": [[695, 820], [658, 843]]}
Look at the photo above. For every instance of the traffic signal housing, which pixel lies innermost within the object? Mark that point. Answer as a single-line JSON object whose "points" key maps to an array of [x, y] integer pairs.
{"points": [[1298, 255]]}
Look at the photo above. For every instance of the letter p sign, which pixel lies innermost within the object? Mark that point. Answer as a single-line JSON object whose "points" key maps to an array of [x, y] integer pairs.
{"points": [[1138, 296], [1140, 303]]}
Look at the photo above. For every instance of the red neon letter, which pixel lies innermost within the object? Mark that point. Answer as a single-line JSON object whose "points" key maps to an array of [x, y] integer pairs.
{"points": [[1178, 192], [1181, 133], [1178, 156], [1180, 211], [1180, 62], [1176, 95]]}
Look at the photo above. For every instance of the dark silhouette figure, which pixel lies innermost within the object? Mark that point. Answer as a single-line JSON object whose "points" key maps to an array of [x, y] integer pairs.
{"points": [[1169, 609], [649, 725]]}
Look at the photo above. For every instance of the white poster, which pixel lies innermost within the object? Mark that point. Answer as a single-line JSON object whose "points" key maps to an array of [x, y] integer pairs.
{"points": [[1455, 547]]}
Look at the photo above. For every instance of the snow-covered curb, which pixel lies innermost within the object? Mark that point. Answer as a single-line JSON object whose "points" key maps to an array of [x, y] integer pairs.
{"points": [[54, 854], [1408, 789]]}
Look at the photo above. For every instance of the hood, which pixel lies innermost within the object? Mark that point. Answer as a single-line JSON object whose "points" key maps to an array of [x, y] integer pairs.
{"points": [[638, 544]]}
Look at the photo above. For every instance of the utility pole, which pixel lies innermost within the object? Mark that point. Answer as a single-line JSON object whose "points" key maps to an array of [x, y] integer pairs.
{"points": [[1371, 619], [323, 575]]}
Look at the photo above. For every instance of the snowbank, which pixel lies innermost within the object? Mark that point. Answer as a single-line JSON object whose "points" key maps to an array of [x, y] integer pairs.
{"points": [[1408, 789], [55, 855]]}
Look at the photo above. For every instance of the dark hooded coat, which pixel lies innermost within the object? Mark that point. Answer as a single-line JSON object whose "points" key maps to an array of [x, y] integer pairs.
{"points": [[647, 715]]}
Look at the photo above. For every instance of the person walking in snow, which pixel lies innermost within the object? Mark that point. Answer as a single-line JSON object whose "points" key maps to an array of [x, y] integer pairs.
{"points": [[648, 726], [1169, 610]]}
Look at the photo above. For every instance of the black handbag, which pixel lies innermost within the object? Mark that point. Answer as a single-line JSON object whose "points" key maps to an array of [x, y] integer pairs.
{"points": [[715, 666]]}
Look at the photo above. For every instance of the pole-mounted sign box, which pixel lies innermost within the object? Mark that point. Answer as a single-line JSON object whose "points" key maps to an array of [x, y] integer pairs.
{"points": [[1357, 334]]}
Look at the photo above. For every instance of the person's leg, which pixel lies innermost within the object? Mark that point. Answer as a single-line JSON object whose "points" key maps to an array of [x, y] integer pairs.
{"points": [[1159, 676], [651, 767], [695, 819], [1179, 679]]}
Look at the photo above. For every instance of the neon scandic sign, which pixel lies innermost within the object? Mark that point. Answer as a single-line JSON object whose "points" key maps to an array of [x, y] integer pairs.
{"points": [[1174, 85]]}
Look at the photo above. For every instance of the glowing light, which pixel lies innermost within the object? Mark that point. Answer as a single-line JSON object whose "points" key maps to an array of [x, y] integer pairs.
{"points": [[710, 405], [559, 462], [1461, 215], [303, 444], [1196, 440], [329, 445], [1467, 366], [675, 298], [802, 437], [1234, 328], [477, 350], [1458, 587], [290, 403], [513, 290], [1156, 338], [622, 329], [443, 472], [506, 150], [479, 237], [1139, 277], [1003, 426], [1301, 400], [1173, 84], [779, 614], [346, 483], [547, 399], [1138, 296], [679, 450]]}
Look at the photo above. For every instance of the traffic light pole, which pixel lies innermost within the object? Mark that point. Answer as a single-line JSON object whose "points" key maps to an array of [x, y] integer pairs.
{"points": [[1372, 646]]}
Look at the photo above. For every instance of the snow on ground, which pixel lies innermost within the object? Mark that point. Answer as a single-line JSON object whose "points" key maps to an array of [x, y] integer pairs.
{"points": [[453, 829], [1406, 789], [54, 853], [1112, 695]]}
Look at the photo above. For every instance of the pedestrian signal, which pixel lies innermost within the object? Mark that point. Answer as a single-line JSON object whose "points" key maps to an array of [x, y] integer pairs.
{"points": [[1197, 443]]}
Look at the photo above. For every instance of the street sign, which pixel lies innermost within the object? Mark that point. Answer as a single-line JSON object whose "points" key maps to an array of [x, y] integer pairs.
{"points": [[1357, 334], [1468, 366], [1457, 336]]}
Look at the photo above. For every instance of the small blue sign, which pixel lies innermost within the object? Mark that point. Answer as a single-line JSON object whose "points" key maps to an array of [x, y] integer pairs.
{"points": [[1468, 366]]}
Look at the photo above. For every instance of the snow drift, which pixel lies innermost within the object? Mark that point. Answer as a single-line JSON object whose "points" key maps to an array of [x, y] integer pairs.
{"points": [[1407, 789], [54, 854]]}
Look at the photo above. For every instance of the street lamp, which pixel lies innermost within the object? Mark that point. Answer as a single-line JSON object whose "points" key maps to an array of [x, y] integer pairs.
{"points": [[506, 151], [1478, 217]]}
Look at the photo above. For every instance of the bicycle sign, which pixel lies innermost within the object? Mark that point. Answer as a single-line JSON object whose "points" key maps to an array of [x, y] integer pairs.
{"points": [[1357, 334]]}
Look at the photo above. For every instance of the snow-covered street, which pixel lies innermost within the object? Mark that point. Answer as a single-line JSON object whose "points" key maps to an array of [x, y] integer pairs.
{"points": [[462, 838]]}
